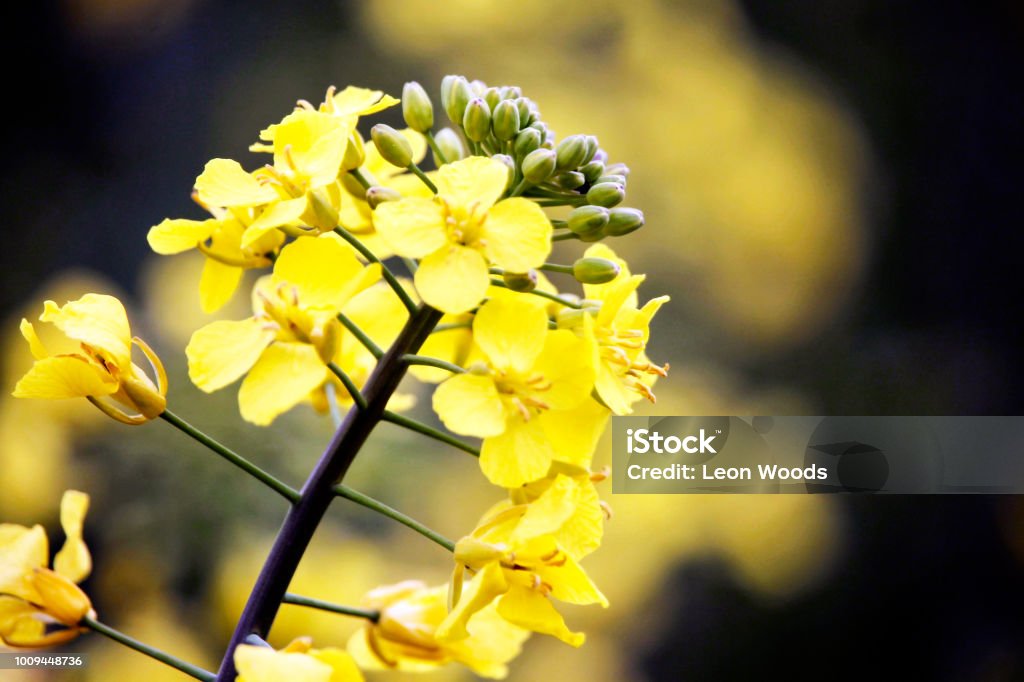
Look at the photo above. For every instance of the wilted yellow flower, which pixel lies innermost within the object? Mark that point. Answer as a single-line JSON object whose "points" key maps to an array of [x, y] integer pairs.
{"points": [[404, 636], [463, 230], [297, 662], [102, 369], [520, 400], [520, 566], [294, 333], [34, 598]]}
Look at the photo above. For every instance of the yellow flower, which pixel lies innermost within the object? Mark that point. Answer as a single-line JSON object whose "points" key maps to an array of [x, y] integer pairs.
{"points": [[520, 566], [220, 239], [34, 598], [294, 332], [463, 230], [520, 399], [102, 369], [621, 330], [297, 662], [404, 636]]}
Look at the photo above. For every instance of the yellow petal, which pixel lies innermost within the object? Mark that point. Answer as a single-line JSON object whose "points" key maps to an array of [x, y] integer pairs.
{"points": [[224, 350], [477, 180], [568, 362], [569, 583], [469, 404], [618, 293], [481, 591], [581, 534], [65, 376], [549, 512], [452, 345], [361, 101], [511, 331], [453, 279], [413, 227], [343, 668], [224, 182], [284, 375], [384, 171], [217, 284], [98, 320], [517, 235], [73, 560], [574, 433], [279, 214], [519, 455], [614, 393], [60, 597], [262, 664], [35, 345], [533, 611], [325, 271], [22, 550], [177, 235]]}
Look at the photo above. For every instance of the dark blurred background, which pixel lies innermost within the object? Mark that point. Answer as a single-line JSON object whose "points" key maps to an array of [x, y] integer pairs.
{"points": [[832, 197]]}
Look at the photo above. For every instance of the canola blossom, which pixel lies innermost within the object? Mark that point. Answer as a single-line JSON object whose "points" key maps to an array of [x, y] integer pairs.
{"points": [[377, 260]]}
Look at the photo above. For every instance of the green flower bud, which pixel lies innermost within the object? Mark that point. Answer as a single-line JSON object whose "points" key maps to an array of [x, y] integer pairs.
{"points": [[505, 120], [377, 195], [538, 165], [571, 151], [606, 194], [478, 87], [477, 119], [355, 152], [595, 270], [569, 180], [416, 107], [392, 145], [450, 144], [592, 147], [587, 219], [458, 98], [511, 92], [521, 281], [527, 111], [526, 141], [618, 169], [492, 97], [446, 90], [592, 171], [622, 221], [617, 179]]}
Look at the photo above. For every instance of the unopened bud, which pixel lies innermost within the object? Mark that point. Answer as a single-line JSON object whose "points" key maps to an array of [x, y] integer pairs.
{"points": [[511, 92], [592, 147], [622, 221], [492, 97], [458, 97], [595, 270], [416, 107], [569, 180], [450, 144], [527, 111], [505, 120], [538, 165], [526, 141], [587, 219], [606, 194], [592, 171], [446, 89], [477, 119], [521, 281], [606, 177], [375, 196], [571, 152], [355, 152], [392, 145], [618, 169]]}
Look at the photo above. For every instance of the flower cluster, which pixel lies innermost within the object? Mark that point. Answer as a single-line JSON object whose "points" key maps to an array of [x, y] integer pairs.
{"points": [[531, 370]]}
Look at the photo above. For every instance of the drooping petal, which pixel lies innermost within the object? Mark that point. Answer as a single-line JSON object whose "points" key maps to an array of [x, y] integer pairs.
{"points": [[481, 591], [284, 375], [517, 235], [35, 344], [73, 561], [65, 376], [511, 331], [217, 284], [519, 455], [414, 227], [549, 512], [224, 350], [358, 101], [22, 550], [477, 180], [97, 320], [176, 235], [533, 611], [279, 214], [453, 279], [469, 404], [325, 271], [224, 182], [569, 583]]}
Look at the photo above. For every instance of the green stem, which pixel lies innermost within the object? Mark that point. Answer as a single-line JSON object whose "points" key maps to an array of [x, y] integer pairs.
{"points": [[286, 491], [555, 267], [388, 276], [423, 176], [350, 386], [429, 431], [563, 236], [132, 643], [360, 178], [437, 150], [448, 326], [562, 202], [523, 185], [544, 294], [360, 335], [410, 265], [392, 513], [427, 361], [371, 615]]}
